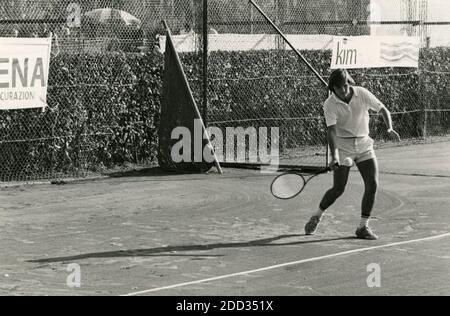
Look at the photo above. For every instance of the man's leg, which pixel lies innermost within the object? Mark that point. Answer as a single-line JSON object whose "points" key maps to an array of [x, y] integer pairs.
{"points": [[339, 184], [369, 173]]}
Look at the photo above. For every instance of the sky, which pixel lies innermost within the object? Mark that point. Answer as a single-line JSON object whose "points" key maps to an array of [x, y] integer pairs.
{"points": [[439, 10]]}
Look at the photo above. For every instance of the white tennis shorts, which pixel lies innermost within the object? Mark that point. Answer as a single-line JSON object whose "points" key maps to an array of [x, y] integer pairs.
{"points": [[359, 149]]}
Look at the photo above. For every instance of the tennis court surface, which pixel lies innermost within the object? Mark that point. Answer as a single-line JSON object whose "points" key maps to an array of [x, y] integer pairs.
{"points": [[151, 233]]}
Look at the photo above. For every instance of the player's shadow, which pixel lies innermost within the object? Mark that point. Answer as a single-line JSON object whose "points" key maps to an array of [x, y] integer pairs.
{"points": [[173, 250]]}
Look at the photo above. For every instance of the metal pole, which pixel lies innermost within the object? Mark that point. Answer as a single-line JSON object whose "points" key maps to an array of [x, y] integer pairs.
{"points": [[251, 20], [205, 61], [289, 43], [298, 54]]}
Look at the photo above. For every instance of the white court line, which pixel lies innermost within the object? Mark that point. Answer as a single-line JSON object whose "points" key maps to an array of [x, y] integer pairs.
{"points": [[286, 265]]}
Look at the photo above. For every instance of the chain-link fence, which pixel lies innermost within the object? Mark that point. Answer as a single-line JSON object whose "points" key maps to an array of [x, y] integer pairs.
{"points": [[104, 86], [105, 76], [267, 85], [99, 26]]}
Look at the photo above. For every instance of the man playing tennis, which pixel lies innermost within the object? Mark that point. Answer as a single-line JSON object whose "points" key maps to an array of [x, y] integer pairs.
{"points": [[347, 118]]}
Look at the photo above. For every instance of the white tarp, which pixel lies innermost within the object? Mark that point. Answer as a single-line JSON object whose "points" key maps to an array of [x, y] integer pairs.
{"points": [[241, 42], [310, 42], [24, 69], [375, 52], [247, 42], [183, 43]]}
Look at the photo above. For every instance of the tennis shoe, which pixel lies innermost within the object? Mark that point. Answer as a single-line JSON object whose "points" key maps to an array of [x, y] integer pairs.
{"points": [[366, 233], [311, 226]]}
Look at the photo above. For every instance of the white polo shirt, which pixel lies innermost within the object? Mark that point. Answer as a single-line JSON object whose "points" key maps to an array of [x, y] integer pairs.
{"points": [[351, 120]]}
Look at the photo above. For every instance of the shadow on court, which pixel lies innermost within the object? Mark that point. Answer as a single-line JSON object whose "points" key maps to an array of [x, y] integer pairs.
{"points": [[148, 172], [166, 251]]}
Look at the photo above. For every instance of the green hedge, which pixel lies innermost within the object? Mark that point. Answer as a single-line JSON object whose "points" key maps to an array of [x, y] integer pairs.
{"points": [[286, 88], [103, 112], [104, 109]]}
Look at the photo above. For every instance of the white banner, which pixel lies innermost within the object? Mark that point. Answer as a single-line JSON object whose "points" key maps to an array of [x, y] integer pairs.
{"points": [[24, 68], [247, 42], [375, 52]]}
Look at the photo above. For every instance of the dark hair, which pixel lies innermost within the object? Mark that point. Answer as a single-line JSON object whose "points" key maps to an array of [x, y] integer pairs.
{"points": [[338, 78]]}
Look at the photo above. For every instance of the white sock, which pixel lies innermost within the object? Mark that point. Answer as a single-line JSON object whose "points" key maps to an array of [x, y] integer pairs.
{"points": [[319, 213], [364, 222]]}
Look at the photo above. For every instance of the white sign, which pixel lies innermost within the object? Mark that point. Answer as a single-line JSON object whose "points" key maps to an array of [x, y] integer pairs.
{"points": [[24, 68], [375, 52]]}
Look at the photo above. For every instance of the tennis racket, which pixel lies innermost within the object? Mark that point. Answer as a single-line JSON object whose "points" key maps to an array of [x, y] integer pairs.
{"points": [[289, 185]]}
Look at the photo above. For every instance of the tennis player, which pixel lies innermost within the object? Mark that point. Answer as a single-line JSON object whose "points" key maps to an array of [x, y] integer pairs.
{"points": [[347, 118]]}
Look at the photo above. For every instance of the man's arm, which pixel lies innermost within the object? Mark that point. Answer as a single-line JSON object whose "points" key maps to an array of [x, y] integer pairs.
{"points": [[332, 135], [388, 121]]}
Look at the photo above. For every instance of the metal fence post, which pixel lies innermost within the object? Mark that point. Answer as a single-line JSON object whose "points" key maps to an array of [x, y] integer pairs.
{"points": [[205, 61]]}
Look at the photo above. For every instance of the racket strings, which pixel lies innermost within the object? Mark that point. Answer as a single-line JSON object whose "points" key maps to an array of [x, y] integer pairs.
{"points": [[288, 186]]}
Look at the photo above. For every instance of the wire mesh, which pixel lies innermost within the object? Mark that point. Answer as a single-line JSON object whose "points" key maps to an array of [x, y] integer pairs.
{"points": [[256, 80], [105, 77], [104, 86]]}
